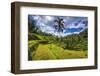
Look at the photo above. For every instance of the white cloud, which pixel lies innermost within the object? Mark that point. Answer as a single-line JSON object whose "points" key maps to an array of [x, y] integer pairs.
{"points": [[45, 23], [49, 18], [80, 25]]}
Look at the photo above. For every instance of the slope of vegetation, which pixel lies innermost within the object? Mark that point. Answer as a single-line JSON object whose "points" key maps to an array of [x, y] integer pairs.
{"points": [[43, 46], [51, 51]]}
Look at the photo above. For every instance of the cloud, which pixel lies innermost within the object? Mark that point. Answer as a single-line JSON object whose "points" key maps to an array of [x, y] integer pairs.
{"points": [[71, 24], [79, 23]]}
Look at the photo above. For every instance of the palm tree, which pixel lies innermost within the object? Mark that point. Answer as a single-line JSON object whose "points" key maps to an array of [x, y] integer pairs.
{"points": [[59, 24]]}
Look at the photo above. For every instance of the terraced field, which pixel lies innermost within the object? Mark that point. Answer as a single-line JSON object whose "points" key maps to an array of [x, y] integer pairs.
{"points": [[43, 50]]}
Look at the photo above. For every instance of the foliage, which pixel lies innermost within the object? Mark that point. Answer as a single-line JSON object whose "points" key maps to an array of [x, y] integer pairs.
{"points": [[44, 46]]}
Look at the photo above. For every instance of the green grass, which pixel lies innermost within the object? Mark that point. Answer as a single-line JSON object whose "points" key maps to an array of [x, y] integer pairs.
{"points": [[32, 42], [41, 37], [51, 51], [48, 48]]}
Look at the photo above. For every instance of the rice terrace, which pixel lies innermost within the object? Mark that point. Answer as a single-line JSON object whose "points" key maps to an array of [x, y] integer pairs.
{"points": [[57, 37]]}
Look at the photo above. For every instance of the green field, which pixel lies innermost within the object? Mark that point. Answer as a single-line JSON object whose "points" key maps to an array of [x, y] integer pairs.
{"points": [[50, 51], [47, 51]]}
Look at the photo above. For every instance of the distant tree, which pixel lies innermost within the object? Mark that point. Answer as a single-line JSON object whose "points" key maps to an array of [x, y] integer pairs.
{"points": [[32, 25]]}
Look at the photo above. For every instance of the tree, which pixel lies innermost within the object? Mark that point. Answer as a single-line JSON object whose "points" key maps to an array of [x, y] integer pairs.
{"points": [[59, 24], [32, 25]]}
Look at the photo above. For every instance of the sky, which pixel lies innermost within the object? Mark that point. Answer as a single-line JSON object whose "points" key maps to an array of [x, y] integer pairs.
{"points": [[72, 24]]}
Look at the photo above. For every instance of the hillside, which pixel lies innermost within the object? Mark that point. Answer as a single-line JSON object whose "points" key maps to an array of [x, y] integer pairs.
{"points": [[43, 46]]}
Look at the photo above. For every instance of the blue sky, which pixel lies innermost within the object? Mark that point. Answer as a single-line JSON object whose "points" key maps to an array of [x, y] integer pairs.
{"points": [[72, 24]]}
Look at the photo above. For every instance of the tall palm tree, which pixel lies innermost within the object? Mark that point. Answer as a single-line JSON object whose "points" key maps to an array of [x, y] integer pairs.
{"points": [[59, 24]]}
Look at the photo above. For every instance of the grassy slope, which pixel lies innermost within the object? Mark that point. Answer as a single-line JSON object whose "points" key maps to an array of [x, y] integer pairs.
{"points": [[51, 51], [47, 51]]}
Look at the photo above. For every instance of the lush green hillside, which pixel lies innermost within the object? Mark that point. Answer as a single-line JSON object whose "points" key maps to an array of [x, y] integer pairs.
{"points": [[50, 51], [43, 46], [50, 47]]}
